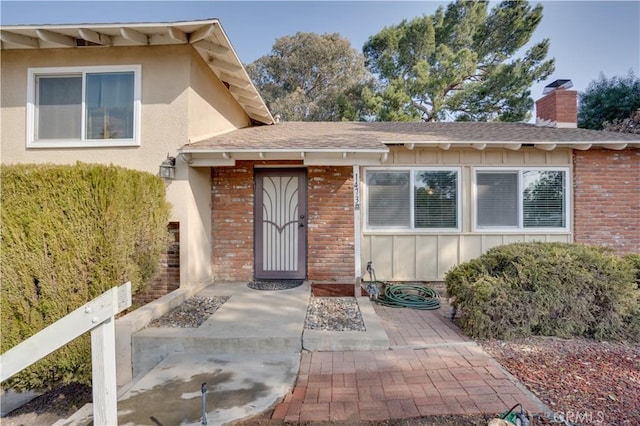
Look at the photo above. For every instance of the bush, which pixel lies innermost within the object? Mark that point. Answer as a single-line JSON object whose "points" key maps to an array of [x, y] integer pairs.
{"points": [[546, 289], [69, 233]]}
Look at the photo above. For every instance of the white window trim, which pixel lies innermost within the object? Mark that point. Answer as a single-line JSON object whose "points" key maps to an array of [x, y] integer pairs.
{"points": [[520, 229], [32, 73], [412, 229]]}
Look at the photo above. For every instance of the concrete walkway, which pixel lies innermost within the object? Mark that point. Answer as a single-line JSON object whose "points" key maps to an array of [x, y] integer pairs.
{"points": [[430, 369]]}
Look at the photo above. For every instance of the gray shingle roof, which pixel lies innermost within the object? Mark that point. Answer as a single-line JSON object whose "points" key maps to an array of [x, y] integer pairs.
{"points": [[364, 136]]}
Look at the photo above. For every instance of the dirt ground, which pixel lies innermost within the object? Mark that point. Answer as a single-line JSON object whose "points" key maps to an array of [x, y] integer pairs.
{"points": [[580, 380]]}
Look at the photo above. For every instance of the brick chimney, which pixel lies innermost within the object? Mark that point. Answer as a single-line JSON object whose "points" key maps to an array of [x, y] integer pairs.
{"points": [[558, 106]]}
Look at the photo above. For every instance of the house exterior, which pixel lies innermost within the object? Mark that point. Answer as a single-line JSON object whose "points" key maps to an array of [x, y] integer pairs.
{"points": [[256, 199]]}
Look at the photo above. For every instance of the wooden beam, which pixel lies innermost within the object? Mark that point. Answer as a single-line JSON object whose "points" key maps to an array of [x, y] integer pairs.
{"points": [[513, 146], [241, 92], [178, 35], [223, 65], [545, 146], [253, 102], [580, 147], [216, 49], [56, 38], [615, 146], [201, 33], [235, 81], [479, 146], [19, 39], [134, 36], [95, 37], [259, 111]]}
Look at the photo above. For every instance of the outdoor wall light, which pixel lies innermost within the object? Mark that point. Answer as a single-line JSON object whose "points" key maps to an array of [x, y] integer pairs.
{"points": [[168, 168]]}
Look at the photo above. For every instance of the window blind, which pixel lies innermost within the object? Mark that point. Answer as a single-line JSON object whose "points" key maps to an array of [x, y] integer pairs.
{"points": [[497, 197], [388, 199]]}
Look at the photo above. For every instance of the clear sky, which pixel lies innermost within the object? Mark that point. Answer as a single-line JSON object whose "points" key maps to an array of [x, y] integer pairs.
{"points": [[587, 37]]}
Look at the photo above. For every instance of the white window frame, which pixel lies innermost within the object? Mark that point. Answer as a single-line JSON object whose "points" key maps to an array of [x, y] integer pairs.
{"points": [[33, 73], [411, 228], [520, 229]]}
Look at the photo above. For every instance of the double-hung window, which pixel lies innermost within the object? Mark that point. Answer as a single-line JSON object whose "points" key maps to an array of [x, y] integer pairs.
{"points": [[413, 199], [83, 106], [521, 199]]}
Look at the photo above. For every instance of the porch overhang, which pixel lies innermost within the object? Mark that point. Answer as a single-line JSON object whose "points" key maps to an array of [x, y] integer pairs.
{"points": [[308, 157], [207, 37]]}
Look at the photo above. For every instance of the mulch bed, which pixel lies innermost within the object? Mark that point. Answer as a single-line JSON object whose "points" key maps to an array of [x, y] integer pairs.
{"points": [[580, 380]]}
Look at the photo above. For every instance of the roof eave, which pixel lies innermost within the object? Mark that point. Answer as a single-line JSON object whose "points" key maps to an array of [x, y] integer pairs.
{"points": [[207, 37]]}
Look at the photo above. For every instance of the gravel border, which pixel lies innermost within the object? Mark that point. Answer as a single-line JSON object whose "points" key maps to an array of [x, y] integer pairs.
{"points": [[334, 314], [274, 284], [191, 313]]}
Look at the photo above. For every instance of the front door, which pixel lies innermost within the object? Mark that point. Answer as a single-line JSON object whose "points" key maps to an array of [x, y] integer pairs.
{"points": [[281, 224]]}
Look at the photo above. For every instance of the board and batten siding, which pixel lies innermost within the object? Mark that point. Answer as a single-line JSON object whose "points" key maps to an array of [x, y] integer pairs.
{"points": [[428, 255]]}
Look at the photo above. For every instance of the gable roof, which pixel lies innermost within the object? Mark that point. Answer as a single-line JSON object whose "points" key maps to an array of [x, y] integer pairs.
{"points": [[367, 142], [207, 37]]}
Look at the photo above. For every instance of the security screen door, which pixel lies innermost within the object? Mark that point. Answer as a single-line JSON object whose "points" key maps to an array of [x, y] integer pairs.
{"points": [[281, 224]]}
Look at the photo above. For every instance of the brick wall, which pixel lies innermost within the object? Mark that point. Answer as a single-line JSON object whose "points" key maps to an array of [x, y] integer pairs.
{"points": [[331, 247], [232, 222], [607, 198], [168, 278], [330, 222]]}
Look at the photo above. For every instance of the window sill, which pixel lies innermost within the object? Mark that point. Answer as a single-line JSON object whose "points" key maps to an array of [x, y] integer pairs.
{"points": [[111, 143]]}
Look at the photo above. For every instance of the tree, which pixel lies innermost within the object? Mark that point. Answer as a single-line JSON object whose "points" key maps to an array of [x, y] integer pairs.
{"points": [[311, 77], [459, 64], [608, 100], [628, 125]]}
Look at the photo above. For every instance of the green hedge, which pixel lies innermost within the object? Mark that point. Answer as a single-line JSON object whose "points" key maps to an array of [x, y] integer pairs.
{"points": [[547, 289], [69, 233]]}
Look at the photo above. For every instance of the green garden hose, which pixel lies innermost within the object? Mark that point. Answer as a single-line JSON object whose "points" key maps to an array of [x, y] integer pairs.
{"points": [[401, 295], [409, 296]]}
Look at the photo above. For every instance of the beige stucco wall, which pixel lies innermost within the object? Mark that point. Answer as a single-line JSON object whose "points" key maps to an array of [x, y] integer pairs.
{"points": [[429, 255], [181, 99]]}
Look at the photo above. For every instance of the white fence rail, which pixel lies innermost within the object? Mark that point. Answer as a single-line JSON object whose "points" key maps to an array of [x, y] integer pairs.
{"points": [[97, 316]]}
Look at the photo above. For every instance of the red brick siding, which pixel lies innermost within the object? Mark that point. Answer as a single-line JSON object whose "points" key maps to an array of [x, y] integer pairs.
{"points": [[232, 222], [331, 247], [168, 278], [329, 229], [559, 105], [607, 198]]}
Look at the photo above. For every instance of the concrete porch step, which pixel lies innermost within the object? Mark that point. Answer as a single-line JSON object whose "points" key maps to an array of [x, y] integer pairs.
{"points": [[251, 321]]}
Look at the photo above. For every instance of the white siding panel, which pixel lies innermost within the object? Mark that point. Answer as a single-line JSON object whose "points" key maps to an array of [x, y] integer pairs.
{"points": [[470, 247], [427, 257], [382, 256], [448, 253], [451, 157], [404, 259]]}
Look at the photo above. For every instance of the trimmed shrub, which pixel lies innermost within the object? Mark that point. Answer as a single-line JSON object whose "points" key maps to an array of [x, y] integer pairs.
{"points": [[69, 233], [546, 289]]}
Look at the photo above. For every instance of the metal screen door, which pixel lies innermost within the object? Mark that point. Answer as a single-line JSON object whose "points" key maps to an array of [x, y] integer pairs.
{"points": [[281, 223]]}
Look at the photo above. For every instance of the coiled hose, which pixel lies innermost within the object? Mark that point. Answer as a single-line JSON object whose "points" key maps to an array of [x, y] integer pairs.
{"points": [[409, 296], [401, 295]]}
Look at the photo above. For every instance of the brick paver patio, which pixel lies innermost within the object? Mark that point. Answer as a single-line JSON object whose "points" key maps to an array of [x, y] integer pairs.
{"points": [[430, 369]]}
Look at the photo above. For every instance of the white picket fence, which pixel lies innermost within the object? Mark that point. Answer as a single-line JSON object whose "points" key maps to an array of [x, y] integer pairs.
{"points": [[96, 316]]}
